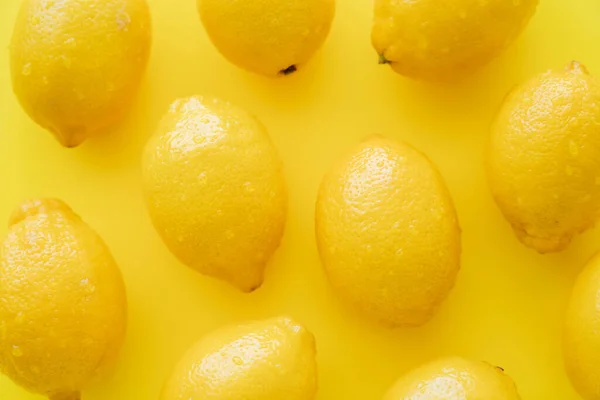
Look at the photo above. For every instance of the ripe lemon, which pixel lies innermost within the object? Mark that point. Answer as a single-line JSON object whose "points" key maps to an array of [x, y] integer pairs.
{"points": [[76, 65], [268, 37], [454, 379], [543, 158], [63, 309], [272, 359], [387, 232], [215, 190], [581, 341], [445, 40]]}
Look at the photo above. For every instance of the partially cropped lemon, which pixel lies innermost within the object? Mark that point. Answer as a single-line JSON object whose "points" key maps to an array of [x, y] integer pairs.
{"points": [[76, 65], [441, 41], [215, 190], [63, 307], [454, 378], [268, 37], [387, 232], [272, 359], [581, 342], [543, 157]]}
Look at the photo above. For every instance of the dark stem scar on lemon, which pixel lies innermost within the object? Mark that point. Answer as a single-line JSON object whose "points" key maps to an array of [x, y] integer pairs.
{"points": [[383, 60], [289, 70]]}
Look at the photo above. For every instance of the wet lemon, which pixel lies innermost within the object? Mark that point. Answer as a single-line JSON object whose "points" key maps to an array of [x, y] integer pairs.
{"points": [[268, 37], [387, 232], [581, 342], [215, 190], [76, 65], [454, 379], [543, 157], [265, 360], [445, 40], [63, 308]]}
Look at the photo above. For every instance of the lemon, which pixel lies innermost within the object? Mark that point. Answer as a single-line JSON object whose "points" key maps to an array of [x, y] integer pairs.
{"points": [[441, 41], [76, 65], [454, 378], [272, 359], [63, 309], [581, 341], [215, 190], [388, 233], [543, 158], [268, 37]]}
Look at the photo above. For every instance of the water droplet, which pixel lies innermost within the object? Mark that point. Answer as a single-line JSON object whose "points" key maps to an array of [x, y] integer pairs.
{"points": [[202, 178], [598, 180], [462, 14], [229, 234], [180, 238], [71, 42], [586, 198], [238, 360], [248, 187], [26, 71], [45, 80], [573, 149], [66, 61], [35, 369], [17, 352]]}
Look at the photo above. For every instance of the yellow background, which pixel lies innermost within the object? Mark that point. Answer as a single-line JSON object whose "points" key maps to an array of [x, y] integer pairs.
{"points": [[508, 303]]}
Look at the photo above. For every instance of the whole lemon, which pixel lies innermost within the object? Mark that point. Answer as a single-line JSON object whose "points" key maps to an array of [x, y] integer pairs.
{"points": [[543, 157], [388, 233], [445, 40], [215, 189], [63, 309], [272, 359], [581, 341], [76, 65], [268, 37], [454, 378]]}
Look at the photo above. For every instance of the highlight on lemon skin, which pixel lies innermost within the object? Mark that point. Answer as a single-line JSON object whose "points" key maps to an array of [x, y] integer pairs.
{"points": [[63, 312], [388, 233], [543, 157], [215, 191], [273, 359], [275, 46], [75, 78], [443, 41]]}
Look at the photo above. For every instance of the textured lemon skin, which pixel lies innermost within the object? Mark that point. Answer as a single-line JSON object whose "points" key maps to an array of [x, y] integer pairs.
{"points": [[454, 378], [272, 359], [267, 36], [215, 190], [387, 232], [77, 64], [63, 309], [543, 158], [442, 41], [581, 340]]}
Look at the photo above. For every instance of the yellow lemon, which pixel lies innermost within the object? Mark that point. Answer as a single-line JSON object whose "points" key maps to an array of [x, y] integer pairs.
{"points": [[76, 65], [454, 378], [581, 341], [543, 158], [215, 189], [268, 37], [63, 309], [272, 359], [388, 233], [440, 41]]}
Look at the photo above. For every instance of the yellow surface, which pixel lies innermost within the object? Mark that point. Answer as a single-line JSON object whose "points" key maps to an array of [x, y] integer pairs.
{"points": [[508, 303]]}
